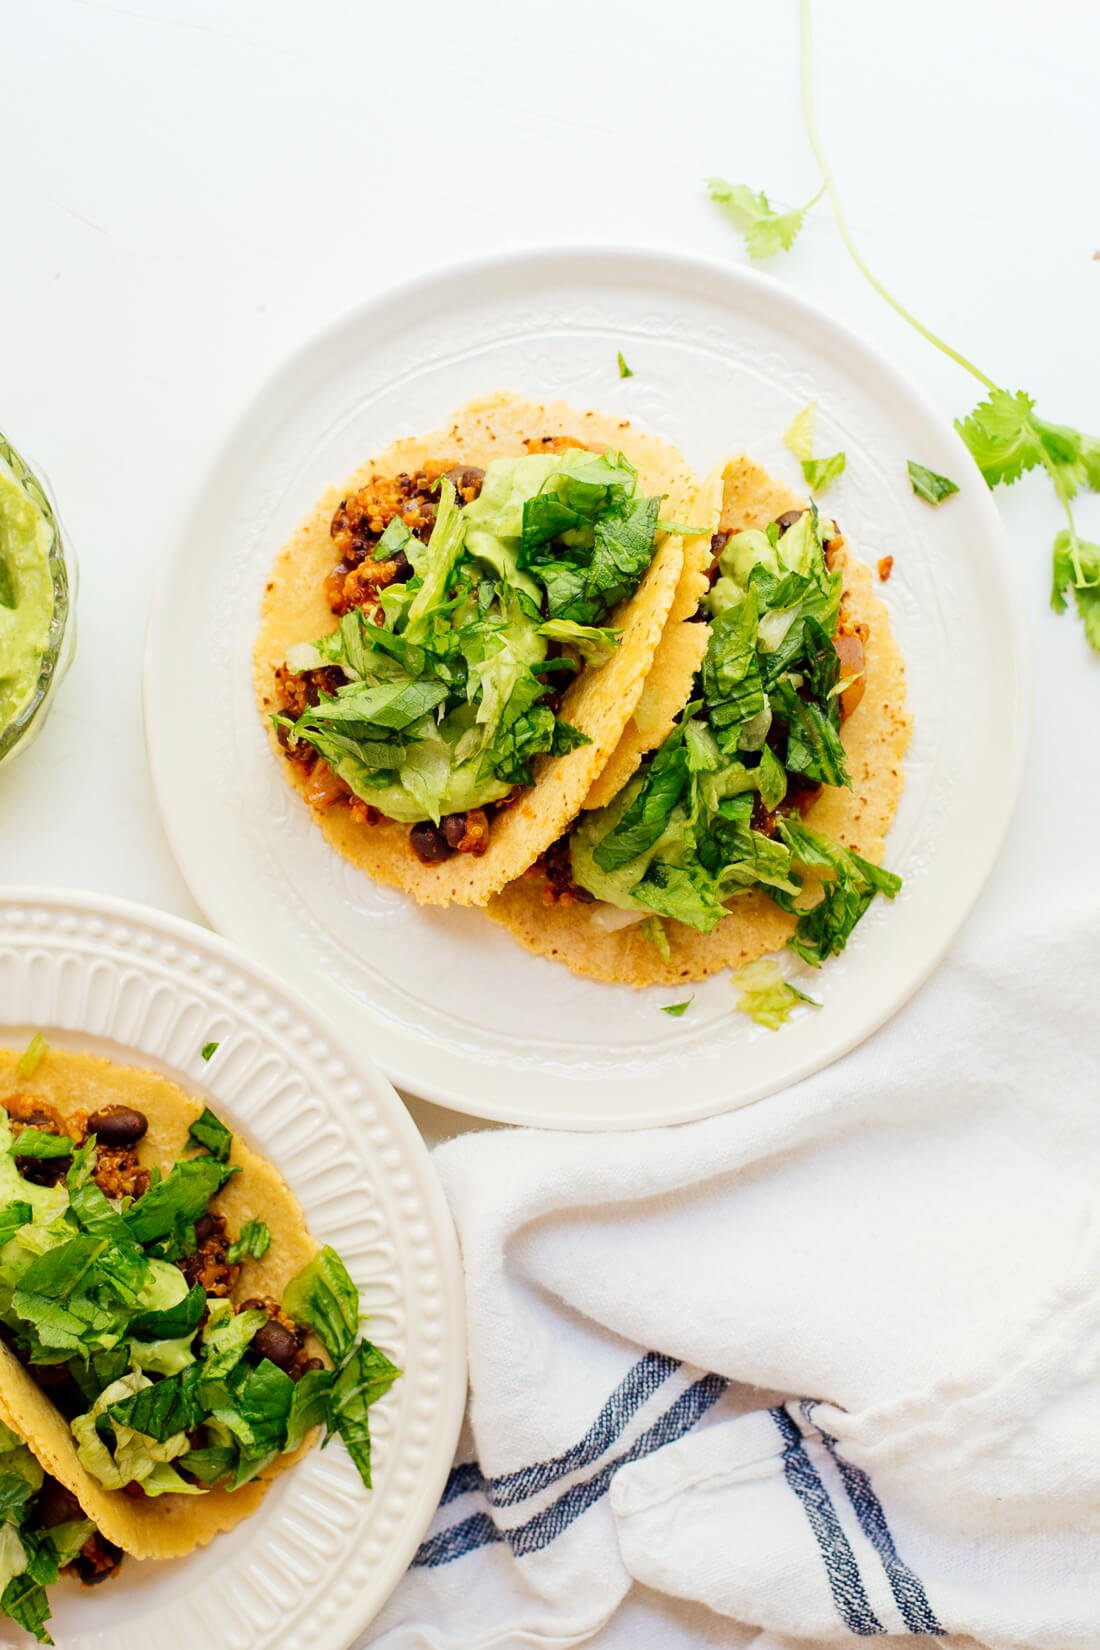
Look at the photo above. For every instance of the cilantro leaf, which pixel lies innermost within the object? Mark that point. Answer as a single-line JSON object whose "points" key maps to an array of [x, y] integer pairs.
{"points": [[677, 1009], [364, 1378], [765, 230], [254, 1241], [1002, 436], [765, 996], [179, 1199], [928, 485], [1077, 573], [624, 370], [323, 1297], [211, 1133]]}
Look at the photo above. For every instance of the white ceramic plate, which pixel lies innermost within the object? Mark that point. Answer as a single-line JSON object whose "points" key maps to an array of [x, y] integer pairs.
{"points": [[318, 1559], [722, 358]]}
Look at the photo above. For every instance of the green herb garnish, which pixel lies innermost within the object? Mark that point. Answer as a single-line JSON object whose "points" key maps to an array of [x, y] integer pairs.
{"points": [[209, 1050], [1004, 434], [765, 230], [624, 370], [928, 485]]}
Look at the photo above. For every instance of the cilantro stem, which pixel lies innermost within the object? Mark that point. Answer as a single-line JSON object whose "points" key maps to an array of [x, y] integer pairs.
{"points": [[829, 184]]}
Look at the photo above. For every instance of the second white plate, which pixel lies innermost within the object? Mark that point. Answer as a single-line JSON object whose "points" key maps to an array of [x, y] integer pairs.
{"points": [[722, 358]]}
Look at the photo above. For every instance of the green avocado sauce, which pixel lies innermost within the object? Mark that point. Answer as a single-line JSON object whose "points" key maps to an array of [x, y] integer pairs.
{"points": [[26, 594]]}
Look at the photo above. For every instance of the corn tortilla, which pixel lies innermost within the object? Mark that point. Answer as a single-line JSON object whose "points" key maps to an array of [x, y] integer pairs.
{"points": [[165, 1526], [679, 652], [875, 739], [599, 702]]}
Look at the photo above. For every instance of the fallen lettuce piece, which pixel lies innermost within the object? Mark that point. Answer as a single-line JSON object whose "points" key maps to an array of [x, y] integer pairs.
{"points": [[820, 473], [676, 1010], [928, 485], [209, 1050], [765, 996], [624, 370], [799, 434]]}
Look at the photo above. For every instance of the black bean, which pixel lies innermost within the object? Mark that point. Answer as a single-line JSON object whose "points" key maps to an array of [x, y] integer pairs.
{"points": [[204, 1227], [428, 843], [454, 828], [404, 568], [467, 479], [118, 1125], [788, 519], [276, 1342]]}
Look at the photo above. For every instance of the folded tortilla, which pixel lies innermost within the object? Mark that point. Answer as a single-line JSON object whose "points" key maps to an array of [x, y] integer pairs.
{"points": [[599, 702], [165, 1526], [875, 739]]}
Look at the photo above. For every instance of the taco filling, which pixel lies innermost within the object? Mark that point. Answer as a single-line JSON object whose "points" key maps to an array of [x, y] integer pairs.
{"points": [[468, 599], [128, 1298], [718, 809]]}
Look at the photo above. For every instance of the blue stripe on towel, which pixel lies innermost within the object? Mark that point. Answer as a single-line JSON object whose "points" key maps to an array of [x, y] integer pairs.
{"points": [[907, 1588], [841, 1568], [634, 1390], [546, 1526]]}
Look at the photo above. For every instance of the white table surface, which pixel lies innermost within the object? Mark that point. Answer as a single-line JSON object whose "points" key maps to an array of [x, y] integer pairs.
{"points": [[193, 187]]}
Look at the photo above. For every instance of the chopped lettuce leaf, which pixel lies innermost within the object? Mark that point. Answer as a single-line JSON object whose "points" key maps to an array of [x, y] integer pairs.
{"points": [[624, 370], [654, 930], [323, 1297], [32, 1056], [227, 1336], [209, 1050], [765, 996], [37, 1144], [928, 485], [254, 1241], [366, 1376], [179, 1199], [677, 1010], [799, 434], [211, 1133], [820, 473]]}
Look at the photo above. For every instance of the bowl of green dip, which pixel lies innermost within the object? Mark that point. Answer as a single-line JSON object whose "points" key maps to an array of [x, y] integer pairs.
{"points": [[37, 591]]}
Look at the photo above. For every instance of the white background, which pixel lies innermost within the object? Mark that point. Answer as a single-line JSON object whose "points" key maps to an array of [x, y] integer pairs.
{"points": [[191, 189]]}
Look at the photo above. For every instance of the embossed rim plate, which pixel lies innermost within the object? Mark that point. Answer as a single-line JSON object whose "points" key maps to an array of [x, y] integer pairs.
{"points": [[319, 1558], [722, 357]]}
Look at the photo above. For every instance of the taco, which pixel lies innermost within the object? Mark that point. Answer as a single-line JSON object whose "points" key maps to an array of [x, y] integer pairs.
{"points": [[171, 1337], [44, 1534], [454, 642], [761, 819]]}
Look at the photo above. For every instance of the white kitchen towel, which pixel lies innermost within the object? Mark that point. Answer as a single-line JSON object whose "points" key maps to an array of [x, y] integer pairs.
{"points": [[826, 1367]]}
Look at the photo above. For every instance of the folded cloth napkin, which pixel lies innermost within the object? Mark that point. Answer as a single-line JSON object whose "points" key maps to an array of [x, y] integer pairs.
{"points": [[826, 1366]]}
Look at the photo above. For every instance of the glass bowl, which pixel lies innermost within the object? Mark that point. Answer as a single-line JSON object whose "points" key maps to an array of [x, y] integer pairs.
{"points": [[17, 734]]}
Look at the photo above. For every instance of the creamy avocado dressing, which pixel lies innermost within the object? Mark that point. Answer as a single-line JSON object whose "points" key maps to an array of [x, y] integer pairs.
{"points": [[26, 594]]}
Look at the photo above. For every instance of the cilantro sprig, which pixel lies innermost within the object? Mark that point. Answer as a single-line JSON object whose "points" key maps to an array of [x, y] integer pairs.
{"points": [[1005, 435]]}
